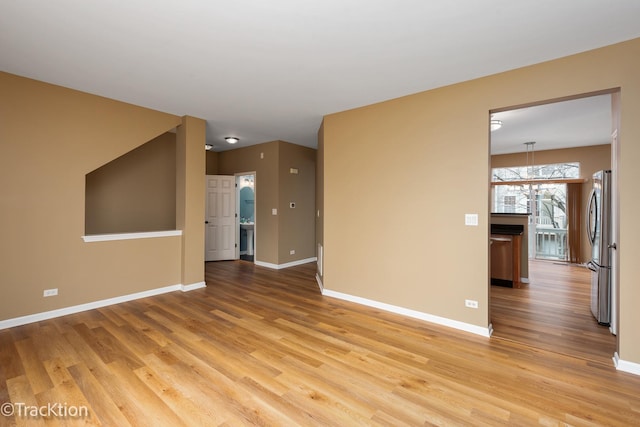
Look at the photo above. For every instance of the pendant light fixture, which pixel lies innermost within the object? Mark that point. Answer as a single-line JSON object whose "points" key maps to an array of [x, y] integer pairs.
{"points": [[530, 166]]}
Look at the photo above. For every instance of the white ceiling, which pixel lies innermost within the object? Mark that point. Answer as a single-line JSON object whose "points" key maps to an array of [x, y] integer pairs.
{"points": [[266, 70], [575, 123]]}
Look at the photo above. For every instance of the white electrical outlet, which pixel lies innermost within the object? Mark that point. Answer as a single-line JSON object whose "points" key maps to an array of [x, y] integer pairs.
{"points": [[471, 219], [292, 252], [274, 211], [470, 303], [50, 292]]}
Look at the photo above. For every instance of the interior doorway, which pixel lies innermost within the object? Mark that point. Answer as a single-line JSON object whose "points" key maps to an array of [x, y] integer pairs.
{"points": [[246, 223], [548, 125], [220, 239]]}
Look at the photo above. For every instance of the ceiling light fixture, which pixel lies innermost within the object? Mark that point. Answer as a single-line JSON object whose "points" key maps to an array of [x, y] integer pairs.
{"points": [[208, 147], [495, 124], [231, 139]]}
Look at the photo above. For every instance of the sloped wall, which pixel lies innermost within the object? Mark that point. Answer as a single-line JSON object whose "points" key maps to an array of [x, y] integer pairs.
{"points": [[135, 192], [50, 138]]}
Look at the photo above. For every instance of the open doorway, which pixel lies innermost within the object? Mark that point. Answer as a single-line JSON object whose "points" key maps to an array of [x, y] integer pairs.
{"points": [[246, 215], [539, 144]]}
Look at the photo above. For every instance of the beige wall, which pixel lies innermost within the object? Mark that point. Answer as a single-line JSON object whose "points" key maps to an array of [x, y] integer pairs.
{"points": [[135, 192], [394, 224], [248, 159], [190, 201], [297, 226], [50, 138], [320, 196], [275, 187], [591, 158], [212, 163]]}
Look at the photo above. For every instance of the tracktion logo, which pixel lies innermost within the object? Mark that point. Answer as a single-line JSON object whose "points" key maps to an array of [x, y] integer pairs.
{"points": [[50, 410]]}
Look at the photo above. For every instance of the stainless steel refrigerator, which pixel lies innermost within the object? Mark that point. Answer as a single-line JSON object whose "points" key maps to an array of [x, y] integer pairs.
{"points": [[600, 235]]}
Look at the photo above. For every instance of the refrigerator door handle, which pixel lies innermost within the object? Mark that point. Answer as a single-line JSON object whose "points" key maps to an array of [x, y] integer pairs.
{"points": [[591, 207], [613, 246]]}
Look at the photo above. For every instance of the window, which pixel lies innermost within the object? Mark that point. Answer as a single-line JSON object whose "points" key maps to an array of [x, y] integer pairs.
{"points": [[536, 172], [510, 204]]}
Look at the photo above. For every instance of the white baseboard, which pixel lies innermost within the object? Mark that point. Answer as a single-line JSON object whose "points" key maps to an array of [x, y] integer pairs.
{"points": [[524, 279], [624, 366], [193, 286], [319, 280], [31, 318], [467, 327], [286, 265]]}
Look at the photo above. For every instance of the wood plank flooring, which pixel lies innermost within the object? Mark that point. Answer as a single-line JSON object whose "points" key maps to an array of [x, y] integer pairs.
{"points": [[263, 347], [552, 312]]}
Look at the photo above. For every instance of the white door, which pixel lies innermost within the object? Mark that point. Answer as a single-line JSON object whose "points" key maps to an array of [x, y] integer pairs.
{"points": [[220, 218]]}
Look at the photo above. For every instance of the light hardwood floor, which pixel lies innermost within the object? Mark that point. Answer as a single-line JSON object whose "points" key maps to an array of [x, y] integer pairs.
{"points": [[263, 347], [552, 312]]}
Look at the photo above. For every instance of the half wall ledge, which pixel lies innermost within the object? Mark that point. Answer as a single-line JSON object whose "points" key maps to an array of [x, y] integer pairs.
{"points": [[129, 236]]}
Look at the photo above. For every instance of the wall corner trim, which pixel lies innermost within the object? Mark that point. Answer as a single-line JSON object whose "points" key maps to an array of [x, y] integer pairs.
{"points": [[32, 318], [319, 280], [286, 265], [129, 236], [625, 366], [467, 327]]}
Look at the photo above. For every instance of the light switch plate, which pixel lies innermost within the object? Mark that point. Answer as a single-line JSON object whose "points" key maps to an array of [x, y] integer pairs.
{"points": [[274, 211], [471, 219]]}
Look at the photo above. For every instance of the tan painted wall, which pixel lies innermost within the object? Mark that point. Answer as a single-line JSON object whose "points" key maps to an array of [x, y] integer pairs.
{"points": [[135, 192], [212, 163], [190, 200], [275, 187], [320, 195], [394, 217], [592, 159], [248, 159], [50, 138], [297, 226]]}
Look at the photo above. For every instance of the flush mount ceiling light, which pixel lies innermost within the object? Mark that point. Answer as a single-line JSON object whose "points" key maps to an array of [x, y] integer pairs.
{"points": [[231, 139], [208, 147], [495, 124]]}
